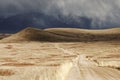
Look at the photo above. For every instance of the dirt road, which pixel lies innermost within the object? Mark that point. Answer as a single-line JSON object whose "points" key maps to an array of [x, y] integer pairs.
{"points": [[86, 70]]}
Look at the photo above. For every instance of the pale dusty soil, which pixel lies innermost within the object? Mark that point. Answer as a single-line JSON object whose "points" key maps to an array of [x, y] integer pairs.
{"points": [[60, 61]]}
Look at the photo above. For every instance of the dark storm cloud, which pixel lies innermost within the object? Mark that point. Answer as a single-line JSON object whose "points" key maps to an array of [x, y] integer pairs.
{"points": [[101, 12], [8, 7]]}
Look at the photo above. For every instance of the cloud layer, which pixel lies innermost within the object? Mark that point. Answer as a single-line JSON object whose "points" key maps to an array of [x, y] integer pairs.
{"points": [[102, 12]]}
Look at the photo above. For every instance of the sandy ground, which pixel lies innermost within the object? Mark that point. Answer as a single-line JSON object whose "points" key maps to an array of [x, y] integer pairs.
{"points": [[60, 61]]}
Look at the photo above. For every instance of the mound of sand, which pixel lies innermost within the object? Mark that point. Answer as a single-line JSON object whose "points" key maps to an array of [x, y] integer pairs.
{"points": [[64, 35]]}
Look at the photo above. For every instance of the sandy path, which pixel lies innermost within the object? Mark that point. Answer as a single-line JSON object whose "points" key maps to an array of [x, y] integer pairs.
{"points": [[87, 70], [84, 69]]}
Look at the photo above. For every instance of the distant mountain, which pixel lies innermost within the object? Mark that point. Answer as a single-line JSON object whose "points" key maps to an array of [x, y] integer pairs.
{"points": [[39, 20]]}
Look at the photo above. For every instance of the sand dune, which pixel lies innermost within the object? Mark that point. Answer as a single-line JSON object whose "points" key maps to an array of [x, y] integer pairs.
{"points": [[64, 35]]}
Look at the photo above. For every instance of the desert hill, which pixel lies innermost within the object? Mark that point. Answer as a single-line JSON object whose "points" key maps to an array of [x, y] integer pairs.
{"points": [[64, 34]]}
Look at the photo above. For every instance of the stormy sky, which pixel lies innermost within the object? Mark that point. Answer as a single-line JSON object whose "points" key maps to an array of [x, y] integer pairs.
{"points": [[91, 14]]}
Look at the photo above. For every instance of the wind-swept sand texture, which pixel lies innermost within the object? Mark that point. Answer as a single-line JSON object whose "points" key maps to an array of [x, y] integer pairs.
{"points": [[26, 58], [58, 61]]}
